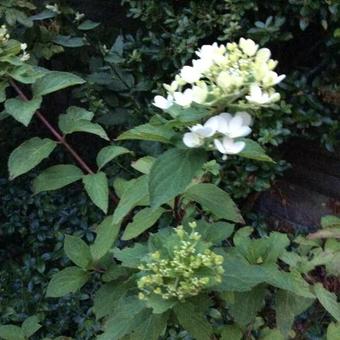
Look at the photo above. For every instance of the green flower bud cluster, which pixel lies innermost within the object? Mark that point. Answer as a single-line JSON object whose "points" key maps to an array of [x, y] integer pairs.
{"points": [[4, 36], [183, 271]]}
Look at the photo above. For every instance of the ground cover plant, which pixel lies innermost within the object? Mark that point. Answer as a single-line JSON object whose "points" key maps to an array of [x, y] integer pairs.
{"points": [[143, 176]]}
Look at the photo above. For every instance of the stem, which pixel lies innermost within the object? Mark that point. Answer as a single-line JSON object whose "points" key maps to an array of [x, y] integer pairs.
{"points": [[59, 137], [177, 211]]}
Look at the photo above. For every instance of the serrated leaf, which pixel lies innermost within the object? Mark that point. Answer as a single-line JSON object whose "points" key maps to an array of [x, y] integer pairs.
{"points": [[231, 332], [108, 153], [21, 110], [330, 221], [107, 297], [107, 233], [56, 177], [254, 150], [128, 315], [287, 307], [214, 200], [333, 331], [55, 81], [28, 155], [11, 332], [135, 194], [245, 306], [77, 251], [193, 321], [131, 257], [30, 326], [88, 25], [328, 300], [68, 280], [96, 185], [143, 164], [158, 304], [215, 232], [142, 221], [148, 132], [172, 172]]}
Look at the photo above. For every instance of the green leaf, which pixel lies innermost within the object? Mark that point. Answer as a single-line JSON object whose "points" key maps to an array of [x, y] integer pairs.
{"points": [[158, 304], [108, 153], [135, 193], [77, 251], [107, 233], [328, 301], [11, 332], [107, 297], [96, 185], [288, 306], [193, 321], [271, 334], [214, 200], [21, 110], [245, 306], [254, 150], [142, 221], [127, 316], [69, 41], [330, 221], [149, 132], [333, 331], [231, 332], [152, 327], [28, 155], [31, 325], [143, 164], [56, 177], [55, 81], [131, 257], [172, 172], [88, 25], [216, 232], [66, 281]]}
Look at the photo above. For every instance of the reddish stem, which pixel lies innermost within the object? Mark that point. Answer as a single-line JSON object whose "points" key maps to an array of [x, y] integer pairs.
{"points": [[59, 137]]}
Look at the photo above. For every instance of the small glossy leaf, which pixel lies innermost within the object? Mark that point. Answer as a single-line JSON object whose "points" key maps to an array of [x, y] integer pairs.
{"points": [[214, 200], [143, 164], [97, 187], [108, 153], [69, 41], [21, 110], [28, 155], [172, 172], [55, 81], [77, 251], [56, 177], [142, 221], [66, 281], [88, 25]]}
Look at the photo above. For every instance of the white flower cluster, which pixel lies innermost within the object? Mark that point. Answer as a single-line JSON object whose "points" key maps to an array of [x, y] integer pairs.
{"points": [[232, 73], [25, 56], [53, 8], [222, 130], [4, 36]]}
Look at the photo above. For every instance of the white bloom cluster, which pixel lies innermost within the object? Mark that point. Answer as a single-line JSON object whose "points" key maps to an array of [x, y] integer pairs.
{"points": [[222, 130], [79, 16], [4, 36], [232, 73], [54, 8], [25, 56]]}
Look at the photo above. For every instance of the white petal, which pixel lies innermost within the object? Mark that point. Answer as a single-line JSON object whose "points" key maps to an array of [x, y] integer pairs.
{"points": [[190, 74], [192, 140], [226, 116], [183, 99], [235, 123], [215, 123], [241, 132], [263, 54], [199, 94], [162, 102], [231, 147], [202, 131], [246, 117], [219, 146]]}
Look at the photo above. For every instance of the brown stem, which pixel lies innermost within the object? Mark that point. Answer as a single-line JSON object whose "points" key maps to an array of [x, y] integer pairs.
{"points": [[59, 137], [177, 209]]}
